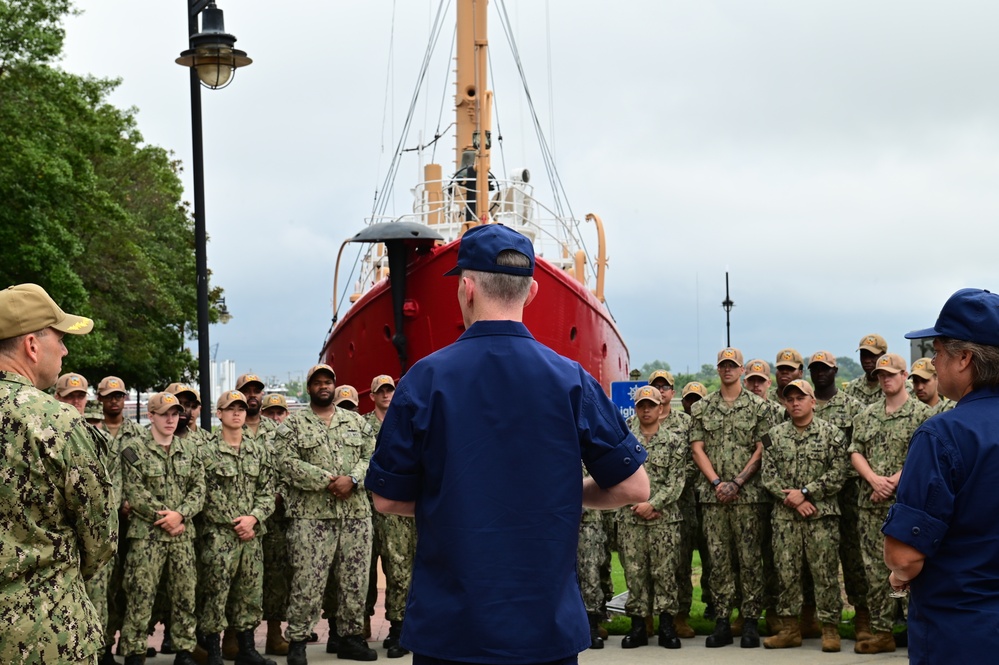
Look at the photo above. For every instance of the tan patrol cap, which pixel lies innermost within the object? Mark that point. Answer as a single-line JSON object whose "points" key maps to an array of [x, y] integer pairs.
{"points": [[924, 368], [823, 357], [161, 403], [249, 378], [381, 380], [891, 363], [345, 393], [789, 358], [729, 353], [648, 394], [694, 387], [662, 374], [873, 343], [229, 398], [178, 388], [70, 383], [111, 384], [274, 401], [802, 385], [321, 367], [27, 308], [758, 367]]}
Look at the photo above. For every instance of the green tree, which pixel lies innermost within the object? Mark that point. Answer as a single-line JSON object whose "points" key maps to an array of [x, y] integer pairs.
{"points": [[90, 212], [849, 369], [648, 368]]}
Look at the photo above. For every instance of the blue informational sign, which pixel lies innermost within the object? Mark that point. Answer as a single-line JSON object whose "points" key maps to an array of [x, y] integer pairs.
{"points": [[623, 395]]}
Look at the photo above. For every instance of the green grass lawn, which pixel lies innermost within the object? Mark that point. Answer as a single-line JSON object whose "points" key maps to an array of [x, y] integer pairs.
{"points": [[620, 625]]}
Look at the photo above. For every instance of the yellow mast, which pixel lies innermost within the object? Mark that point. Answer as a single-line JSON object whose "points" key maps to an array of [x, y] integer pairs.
{"points": [[472, 100]]}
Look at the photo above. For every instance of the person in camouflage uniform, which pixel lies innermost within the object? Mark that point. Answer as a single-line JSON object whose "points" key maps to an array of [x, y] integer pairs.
{"points": [[122, 432], [924, 387], [590, 555], [163, 483], [322, 455], [395, 538], [726, 441], [881, 435], [238, 498], [865, 389], [836, 407], [804, 465], [71, 389], [60, 526], [648, 532], [687, 504]]}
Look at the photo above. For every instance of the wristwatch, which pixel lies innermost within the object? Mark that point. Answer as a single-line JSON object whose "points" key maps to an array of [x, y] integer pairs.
{"points": [[805, 493], [716, 482], [353, 480]]}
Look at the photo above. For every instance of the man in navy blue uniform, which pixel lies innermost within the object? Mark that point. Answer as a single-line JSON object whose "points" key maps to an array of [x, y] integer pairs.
{"points": [[482, 443], [941, 536]]}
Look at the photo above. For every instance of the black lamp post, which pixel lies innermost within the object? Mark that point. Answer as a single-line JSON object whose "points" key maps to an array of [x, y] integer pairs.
{"points": [[212, 60], [727, 305]]}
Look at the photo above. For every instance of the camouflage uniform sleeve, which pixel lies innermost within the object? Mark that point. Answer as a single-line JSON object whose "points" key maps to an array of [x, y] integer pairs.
{"points": [[696, 424], [141, 501], [769, 471], [89, 501], [361, 467], [831, 482], [263, 495], [859, 438], [673, 477], [194, 497], [295, 471]]}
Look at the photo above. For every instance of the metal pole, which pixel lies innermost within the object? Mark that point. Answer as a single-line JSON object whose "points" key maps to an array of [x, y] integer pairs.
{"points": [[200, 235], [727, 304]]}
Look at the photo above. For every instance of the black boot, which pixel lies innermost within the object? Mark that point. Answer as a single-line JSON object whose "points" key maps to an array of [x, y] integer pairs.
{"points": [[107, 658], [750, 634], [637, 636], [667, 632], [213, 648], [135, 660], [596, 642], [333, 641], [296, 653], [391, 643], [166, 646], [722, 635], [184, 658], [353, 647], [248, 654]]}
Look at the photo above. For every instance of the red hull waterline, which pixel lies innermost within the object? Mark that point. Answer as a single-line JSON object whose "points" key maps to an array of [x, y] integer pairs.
{"points": [[564, 316]]}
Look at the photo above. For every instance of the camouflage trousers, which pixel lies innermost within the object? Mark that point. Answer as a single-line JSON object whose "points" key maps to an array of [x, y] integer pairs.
{"points": [[771, 581], [396, 538], [590, 558], [688, 538], [314, 548], [651, 556], [854, 574], [277, 573], [97, 591], [147, 562], [879, 602], [734, 536], [233, 580], [811, 543]]}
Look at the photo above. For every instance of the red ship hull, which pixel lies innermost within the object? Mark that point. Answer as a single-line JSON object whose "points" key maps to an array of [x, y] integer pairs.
{"points": [[564, 316]]}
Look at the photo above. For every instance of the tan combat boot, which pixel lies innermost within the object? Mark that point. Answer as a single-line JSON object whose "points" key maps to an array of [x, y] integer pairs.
{"points": [[810, 627], [881, 642], [862, 624], [830, 638], [230, 647], [737, 625], [789, 635], [276, 644], [681, 626]]}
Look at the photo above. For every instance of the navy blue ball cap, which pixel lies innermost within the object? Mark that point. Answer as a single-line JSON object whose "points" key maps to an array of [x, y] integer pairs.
{"points": [[970, 315], [481, 245]]}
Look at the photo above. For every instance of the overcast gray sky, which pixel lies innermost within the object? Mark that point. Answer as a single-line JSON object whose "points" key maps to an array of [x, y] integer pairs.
{"points": [[839, 159]]}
